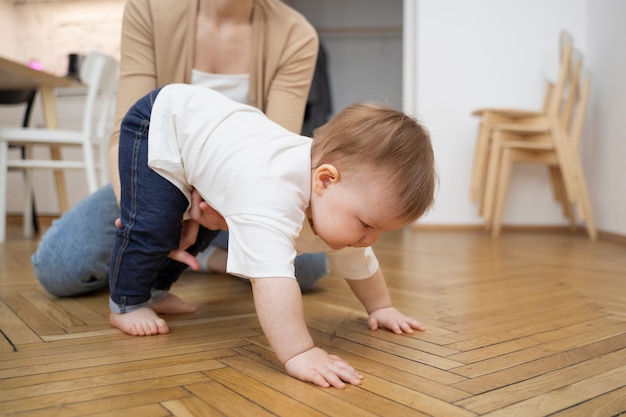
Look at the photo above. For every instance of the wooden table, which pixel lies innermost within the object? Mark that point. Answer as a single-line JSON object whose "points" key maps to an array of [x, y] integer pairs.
{"points": [[15, 75]]}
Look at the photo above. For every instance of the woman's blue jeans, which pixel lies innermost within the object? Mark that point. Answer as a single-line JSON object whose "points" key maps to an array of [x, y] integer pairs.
{"points": [[152, 209]]}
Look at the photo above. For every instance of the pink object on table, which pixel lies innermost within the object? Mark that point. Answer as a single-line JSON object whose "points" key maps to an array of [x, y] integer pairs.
{"points": [[36, 65]]}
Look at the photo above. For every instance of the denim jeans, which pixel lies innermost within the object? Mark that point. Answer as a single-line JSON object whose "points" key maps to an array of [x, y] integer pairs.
{"points": [[152, 209], [74, 254]]}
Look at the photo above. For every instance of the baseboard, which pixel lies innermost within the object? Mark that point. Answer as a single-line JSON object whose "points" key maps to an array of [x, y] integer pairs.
{"points": [[479, 228], [46, 221], [612, 237]]}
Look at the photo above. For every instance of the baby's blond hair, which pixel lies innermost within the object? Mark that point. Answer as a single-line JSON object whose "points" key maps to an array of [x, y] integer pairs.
{"points": [[386, 140]]}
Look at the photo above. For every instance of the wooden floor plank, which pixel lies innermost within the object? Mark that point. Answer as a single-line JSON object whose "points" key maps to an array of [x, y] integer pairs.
{"points": [[610, 404], [326, 401], [225, 400], [541, 366], [557, 379], [11, 405], [77, 408], [190, 407], [553, 401], [539, 351], [270, 399], [14, 330], [34, 318], [523, 325]]}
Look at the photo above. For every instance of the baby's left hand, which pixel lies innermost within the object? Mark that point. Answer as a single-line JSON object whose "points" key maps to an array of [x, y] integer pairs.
{"points": [[393, 320]]}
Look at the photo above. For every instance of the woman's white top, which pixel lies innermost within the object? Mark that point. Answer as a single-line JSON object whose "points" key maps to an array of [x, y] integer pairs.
{"points": [[234, 86]]}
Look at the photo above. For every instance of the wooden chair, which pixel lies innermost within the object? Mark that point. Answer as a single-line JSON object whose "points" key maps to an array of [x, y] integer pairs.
{"points": [[493, 116], [99, 73], [536, 123], [556, 146]]}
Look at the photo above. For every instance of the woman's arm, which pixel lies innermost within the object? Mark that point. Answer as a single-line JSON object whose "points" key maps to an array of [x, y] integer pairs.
{"points": [[282, 63], [289, 90], [137, 72]]}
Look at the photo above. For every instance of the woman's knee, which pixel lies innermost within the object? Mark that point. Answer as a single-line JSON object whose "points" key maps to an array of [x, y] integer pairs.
{"points": [[73, 255], [309, 269]]}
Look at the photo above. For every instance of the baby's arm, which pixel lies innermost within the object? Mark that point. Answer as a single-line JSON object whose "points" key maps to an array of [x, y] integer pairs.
{"points": [[278, 304], [374, 295]]}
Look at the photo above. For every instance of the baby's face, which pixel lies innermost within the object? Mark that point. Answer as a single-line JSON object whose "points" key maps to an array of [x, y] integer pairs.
{"points": [[350, 211]]}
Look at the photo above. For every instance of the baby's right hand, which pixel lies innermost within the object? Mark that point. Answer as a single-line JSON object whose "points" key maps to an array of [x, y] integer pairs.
{"points": [[320, 368]]}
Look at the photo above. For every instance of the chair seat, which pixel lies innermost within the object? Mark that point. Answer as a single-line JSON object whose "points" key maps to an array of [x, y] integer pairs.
{"points": [[508, 113], [521, 129], [31, 136], [530, 146], [47, 164]]}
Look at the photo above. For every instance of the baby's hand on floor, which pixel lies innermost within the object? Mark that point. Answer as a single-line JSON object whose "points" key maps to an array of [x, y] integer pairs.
{"points": [[392, 319], [320, 368]]}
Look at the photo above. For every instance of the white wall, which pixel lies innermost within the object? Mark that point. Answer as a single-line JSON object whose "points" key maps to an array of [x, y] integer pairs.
{"points": [[604, 151], [50, 31], [468, 54], [7, 27], [486, 53], [490, 53]]}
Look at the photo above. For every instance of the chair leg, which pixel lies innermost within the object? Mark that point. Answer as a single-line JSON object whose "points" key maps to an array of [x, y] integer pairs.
{"points": [[583, 198], [504, 175], [90, 169], [558, 188], [27, 223], [4, 150], [32, 208], [35, 218], [566, 160], [480, 159], [489, 189]]}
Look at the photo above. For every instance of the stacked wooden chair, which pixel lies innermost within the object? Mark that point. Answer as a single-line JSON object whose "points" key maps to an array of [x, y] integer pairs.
{"points": [[549, 137]]}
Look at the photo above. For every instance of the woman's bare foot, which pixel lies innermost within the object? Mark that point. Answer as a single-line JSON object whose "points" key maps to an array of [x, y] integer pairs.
{"points": [[141, 322], [173, 305]]}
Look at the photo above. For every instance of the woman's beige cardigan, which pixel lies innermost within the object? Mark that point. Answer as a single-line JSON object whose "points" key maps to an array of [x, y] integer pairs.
{"points": [[157, 48]]}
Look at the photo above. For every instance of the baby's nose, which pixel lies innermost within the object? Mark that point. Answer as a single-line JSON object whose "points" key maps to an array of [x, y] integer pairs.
{"points": [[370, 239]]}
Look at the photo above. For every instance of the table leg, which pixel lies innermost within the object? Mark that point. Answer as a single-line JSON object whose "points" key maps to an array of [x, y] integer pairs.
{"points": [[52, 122]]}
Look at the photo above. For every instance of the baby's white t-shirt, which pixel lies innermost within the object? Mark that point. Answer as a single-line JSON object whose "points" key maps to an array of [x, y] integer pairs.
{"points": [[254, 172]]}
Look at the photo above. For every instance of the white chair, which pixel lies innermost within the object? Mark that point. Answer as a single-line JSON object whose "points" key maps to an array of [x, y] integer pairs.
{"points": [[99, 73]]}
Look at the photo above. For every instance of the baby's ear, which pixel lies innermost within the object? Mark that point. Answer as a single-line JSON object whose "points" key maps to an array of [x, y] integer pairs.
{"points": [[324, 176]]}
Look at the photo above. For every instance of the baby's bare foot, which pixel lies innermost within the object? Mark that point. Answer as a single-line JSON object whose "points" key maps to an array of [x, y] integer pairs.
{"points": [[141, 322], [173, 305]]}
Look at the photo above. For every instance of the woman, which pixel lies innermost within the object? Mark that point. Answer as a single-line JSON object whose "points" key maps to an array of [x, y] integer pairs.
{"points": [[259, 52]]}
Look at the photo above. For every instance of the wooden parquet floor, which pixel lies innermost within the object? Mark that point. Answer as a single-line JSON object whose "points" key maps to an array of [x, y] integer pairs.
{"points": [[525, 325]]}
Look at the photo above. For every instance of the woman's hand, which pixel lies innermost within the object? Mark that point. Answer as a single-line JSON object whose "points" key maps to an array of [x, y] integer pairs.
{"points": [[188, 236], [204, 214], [392, 319]]}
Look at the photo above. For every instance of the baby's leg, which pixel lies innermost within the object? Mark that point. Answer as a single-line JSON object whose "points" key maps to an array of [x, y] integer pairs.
{"points": [[141, 322]]}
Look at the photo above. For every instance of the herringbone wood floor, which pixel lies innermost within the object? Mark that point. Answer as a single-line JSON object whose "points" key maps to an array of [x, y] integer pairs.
{"points": [[526, 325]]}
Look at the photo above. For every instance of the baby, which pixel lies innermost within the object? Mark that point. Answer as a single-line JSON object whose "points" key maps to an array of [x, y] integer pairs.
{"points": [[368, 170]]}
